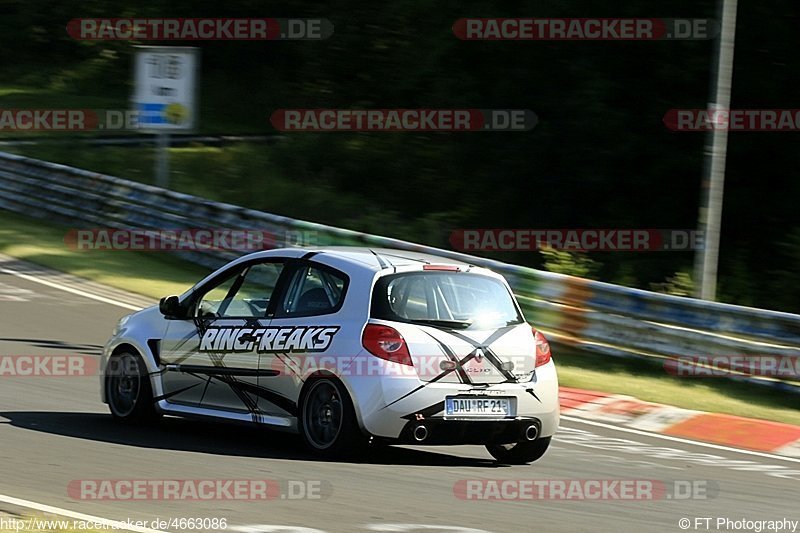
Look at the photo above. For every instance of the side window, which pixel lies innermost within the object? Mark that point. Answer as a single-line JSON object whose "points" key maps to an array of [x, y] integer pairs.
{"points": [[244, 295], [312, 291]]}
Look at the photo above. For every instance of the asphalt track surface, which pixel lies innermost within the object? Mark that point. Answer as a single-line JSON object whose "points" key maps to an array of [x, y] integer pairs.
{"points": [[55, 430]]}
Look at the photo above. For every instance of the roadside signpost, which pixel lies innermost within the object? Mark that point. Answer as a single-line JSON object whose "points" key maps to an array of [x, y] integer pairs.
{"points": [[165, 97]]}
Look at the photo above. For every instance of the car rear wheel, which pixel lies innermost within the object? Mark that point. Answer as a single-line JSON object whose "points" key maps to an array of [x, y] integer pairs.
{"points": [[519, 453], [128, 390], [328, 422]]}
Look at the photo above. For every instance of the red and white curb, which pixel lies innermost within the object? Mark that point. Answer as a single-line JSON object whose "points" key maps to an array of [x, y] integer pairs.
{"points": [[736, 431]]}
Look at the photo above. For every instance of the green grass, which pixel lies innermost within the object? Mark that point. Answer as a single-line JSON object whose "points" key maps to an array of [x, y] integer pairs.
{"points": [[22, 97], [157, 274], [153, 274]]}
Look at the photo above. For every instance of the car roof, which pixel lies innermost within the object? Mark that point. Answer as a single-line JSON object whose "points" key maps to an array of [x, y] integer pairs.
{"points": [[375, 259], [380, 258]]}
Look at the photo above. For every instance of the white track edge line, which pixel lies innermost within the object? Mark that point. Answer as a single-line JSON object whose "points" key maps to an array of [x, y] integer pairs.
{"points": [[116, 524], [69, 289], [679, 439]]}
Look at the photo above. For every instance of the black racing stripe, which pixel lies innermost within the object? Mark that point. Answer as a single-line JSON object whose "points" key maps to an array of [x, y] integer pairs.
{"points": [[427, 412], [174, 393], [499, 333], [226, 371], [383, 264], [418, 260], [498, 363], [239, 389], [484, 347], [271, 396], [309, 255], [469, 357], [406, 395], [205, 389], [242, 388], [489, 340], [463, 361], [181, 343], [288, 356], [532, 393], [202, 378], [219, 364], [463, 376]]}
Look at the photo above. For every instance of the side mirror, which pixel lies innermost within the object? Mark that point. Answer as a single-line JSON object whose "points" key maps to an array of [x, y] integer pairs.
{"points": [[170, 307]]}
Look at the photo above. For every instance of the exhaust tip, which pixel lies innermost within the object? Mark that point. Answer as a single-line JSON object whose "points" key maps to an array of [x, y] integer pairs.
{"points": [[531, 432], [420, 433]]}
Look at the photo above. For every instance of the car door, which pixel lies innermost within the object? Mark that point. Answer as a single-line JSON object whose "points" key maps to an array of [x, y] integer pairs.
{"points": [[304, 325], [211, 357]]}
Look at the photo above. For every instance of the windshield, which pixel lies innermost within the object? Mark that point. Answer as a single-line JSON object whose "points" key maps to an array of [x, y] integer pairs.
{"points": [[453, 299]]}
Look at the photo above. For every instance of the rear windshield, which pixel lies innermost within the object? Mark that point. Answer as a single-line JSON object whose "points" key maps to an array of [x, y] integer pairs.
{"points": [[451, 299]]}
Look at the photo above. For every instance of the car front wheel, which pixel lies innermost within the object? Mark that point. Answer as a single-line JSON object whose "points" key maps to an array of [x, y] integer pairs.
{"points": [[128, 390]]}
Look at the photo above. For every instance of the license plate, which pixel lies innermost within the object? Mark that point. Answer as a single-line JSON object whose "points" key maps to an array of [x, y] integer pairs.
{"points": [[477, 407]]}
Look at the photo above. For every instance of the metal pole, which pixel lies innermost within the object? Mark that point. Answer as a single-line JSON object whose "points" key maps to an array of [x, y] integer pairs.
{"points": [[710, 217], [162, 160]]}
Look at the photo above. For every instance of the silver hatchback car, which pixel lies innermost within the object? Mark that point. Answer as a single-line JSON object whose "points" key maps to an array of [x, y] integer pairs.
{"points": [[344, 346]]}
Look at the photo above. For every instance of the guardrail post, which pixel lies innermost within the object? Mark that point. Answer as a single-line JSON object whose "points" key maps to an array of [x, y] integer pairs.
{"points": [[162, 160]]}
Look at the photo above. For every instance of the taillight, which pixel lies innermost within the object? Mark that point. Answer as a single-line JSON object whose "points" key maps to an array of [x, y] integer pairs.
{"points": [[444, 268], [387, 343], [542, 349]]}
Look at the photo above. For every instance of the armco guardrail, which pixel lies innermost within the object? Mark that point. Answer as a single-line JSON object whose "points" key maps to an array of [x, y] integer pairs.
{"points": [[598, 317]]}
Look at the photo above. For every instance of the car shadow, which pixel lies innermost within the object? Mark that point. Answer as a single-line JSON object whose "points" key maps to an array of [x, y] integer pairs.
{"points": [[202, 436]]}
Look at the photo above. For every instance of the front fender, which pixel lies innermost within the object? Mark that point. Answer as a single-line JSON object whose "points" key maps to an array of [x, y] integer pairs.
{"points": [[141, 333]]}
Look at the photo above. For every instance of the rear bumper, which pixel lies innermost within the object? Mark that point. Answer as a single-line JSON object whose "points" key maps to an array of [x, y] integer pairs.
{"points": [[389, 408], [441, 431]]}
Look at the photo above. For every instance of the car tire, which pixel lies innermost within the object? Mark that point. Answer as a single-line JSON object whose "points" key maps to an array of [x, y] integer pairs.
{"points": [[519, 453], [327, 421], [129, 392]]}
